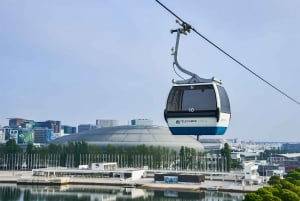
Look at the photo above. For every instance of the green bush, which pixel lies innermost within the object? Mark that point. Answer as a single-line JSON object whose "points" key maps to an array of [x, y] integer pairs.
{"points": [[253, 197], [287, 189]]}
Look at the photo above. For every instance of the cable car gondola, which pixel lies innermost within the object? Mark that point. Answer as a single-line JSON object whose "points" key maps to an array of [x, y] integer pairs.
{"points": [[198, 109], [196, 106]]}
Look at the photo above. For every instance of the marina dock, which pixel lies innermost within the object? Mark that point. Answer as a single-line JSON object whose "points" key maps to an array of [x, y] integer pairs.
{"points": [[26, 178]]}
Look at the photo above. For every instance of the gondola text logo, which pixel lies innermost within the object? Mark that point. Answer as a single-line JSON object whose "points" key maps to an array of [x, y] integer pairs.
{"points": [[186, 121]]}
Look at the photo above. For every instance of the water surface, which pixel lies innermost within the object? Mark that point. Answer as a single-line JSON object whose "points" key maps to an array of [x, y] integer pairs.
{"points": [[12, 192]]}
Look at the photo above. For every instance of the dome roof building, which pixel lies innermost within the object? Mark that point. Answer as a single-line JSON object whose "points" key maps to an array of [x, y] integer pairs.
{"points": [[133, 135]]}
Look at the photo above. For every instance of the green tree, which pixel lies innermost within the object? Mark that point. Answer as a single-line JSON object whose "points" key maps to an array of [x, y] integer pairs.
{"points": [[294, 174], [290, 186], [274, 180], [120, 150], [110, 149], [226, 152], [157, 157], [54, 148], [267, 194], [236, 164], [12, 147], [273, 189], [287, 195], [253, 197], [94, 149], [281, 190], [294, 177], [30, 148]]}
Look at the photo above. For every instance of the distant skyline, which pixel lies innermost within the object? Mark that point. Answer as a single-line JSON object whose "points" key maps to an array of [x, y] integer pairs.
{"points": [[78, 61]]}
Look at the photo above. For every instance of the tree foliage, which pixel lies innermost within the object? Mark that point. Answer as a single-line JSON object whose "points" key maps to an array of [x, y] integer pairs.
{"points": [[274, 180], [253, 197], [11, 147], [287, 189], [78, 153], [287, 195], [226, 152]]}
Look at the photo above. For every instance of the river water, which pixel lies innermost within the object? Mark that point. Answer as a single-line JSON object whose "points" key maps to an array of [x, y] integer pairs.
{"points": [[12, 192]]}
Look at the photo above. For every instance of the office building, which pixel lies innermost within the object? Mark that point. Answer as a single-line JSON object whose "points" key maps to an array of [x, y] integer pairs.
{"points": [[140, 122], [2, 135], [68, 129], [43, 135], [15, 122], [25, 136], [24, 131], [20, 123], [291, 147], [86, 127], [55, 125], [19, 134], [102, 123]]}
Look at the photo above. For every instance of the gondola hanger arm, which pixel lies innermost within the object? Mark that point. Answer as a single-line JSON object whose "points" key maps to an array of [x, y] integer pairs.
{"points": [[228, 55], [185, 28]]}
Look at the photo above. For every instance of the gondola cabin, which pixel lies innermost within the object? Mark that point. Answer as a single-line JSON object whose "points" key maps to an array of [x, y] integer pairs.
{"points": [[197, 109]]}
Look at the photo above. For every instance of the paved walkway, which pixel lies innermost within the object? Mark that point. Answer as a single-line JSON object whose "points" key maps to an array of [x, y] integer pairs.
{"points": [[207, 185], [147, 183]]}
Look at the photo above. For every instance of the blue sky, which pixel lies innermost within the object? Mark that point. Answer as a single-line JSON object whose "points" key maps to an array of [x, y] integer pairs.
{"points": [[78, 61]]}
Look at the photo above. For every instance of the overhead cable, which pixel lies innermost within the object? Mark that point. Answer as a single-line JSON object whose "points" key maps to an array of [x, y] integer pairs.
{"points": [[228, 55]]}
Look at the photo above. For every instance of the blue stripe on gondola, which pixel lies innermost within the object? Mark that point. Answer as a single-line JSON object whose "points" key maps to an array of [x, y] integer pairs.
{"points": [[198, 130]]}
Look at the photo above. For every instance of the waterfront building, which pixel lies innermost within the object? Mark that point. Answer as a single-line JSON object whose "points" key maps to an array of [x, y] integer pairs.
{"points": [[51, 124], [145, 122], [265, 169], [86, 127], [246, 156], [15, 122], [13, 134], [68, 129], [23, 131], [19, 134], [280, 163], [129, 135], [20, 123], [6, 130], [100, 170], [43, 135], [102, 123], [288, 161], [2, 135], [215, 144], [251, 175], [104, 166], [25, 136], [291, 147]]}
